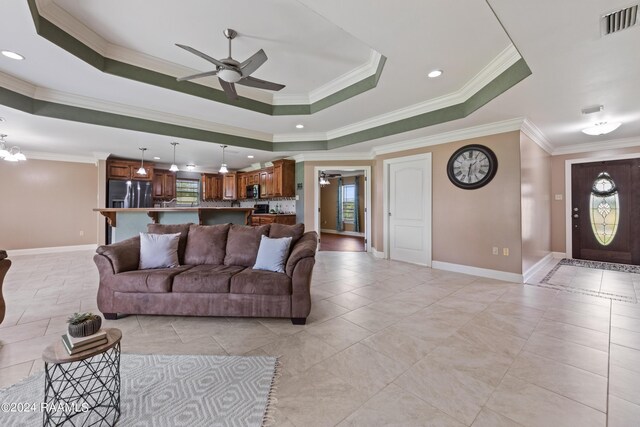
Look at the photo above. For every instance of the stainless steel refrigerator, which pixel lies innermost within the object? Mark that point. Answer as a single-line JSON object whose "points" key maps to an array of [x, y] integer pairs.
{"points": [[128, 194]]}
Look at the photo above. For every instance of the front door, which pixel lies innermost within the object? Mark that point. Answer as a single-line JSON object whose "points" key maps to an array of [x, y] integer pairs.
{"points": [[409, 211], [606, 211]]}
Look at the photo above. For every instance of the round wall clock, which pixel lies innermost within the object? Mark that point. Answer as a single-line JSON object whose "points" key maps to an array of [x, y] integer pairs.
{"points": [[472, 166]]}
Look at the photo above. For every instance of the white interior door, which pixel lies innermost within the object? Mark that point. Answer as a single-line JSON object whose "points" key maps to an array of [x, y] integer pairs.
{"points": [[410, 211]]}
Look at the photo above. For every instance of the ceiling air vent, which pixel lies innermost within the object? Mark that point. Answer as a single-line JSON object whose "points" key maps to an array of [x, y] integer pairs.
{"points": [[619, 20]]}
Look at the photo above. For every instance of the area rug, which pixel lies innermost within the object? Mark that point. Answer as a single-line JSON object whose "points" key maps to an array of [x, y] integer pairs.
{"points": [[172, 391]]}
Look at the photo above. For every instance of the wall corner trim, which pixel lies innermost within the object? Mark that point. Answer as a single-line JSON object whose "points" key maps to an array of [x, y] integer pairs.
{"points": [[559, 255], [377, 254], [51, 250], [537, 136], [476, 271], [535, 268]]}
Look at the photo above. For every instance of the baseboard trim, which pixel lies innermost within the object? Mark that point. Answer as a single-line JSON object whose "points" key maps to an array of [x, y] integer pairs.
{"points": [[345, 233], [377, 254], [559, 255], [52, 250], [536, 267], [476, 271]]}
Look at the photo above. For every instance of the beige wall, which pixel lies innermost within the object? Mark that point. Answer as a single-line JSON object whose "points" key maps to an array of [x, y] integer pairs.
{"points": [[47, 204], [536, 202], [468, 223], [558, 207], [329, 199], [310, 185]]}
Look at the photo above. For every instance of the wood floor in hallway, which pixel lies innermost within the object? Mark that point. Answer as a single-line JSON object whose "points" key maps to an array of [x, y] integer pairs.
{"points": [[341, 242]]}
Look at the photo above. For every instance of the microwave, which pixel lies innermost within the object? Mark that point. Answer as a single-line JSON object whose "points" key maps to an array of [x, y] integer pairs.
{"points": [[253, 191]]}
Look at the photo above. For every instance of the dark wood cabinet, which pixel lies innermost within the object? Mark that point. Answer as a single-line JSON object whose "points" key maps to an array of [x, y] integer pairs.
{"points": [[164, 184], [243, 181], [284, 176], [263, 184], [128, 169], [269, 182], [229, 186], [211, 187], [272, 218]]}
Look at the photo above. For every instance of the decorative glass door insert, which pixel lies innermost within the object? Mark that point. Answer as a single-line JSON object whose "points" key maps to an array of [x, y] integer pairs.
{"points": [[604, 204]]}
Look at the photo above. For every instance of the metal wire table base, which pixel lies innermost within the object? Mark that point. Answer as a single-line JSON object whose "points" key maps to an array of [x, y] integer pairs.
{"points": [[83, 393]]}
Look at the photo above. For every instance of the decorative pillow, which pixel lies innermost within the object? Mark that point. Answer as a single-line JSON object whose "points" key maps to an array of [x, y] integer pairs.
{"points": [[206, 244], [159, 250], [183, 229], [272, 254], [242, 244], [281, 230]]}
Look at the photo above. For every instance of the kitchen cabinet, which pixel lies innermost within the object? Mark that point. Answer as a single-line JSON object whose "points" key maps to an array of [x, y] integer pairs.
{"points": [[211, 187], [269, 182], [126, 169], [243, 181], [229, 185], [284, 176], [262, 219], [263, 184], [164, 184]]}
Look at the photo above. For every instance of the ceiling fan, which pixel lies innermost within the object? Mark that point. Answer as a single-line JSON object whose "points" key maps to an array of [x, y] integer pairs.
{"points": [[324, 177], [230, 71]]}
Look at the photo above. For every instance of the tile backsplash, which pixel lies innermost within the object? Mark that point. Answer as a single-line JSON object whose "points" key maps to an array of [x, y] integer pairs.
{"points": [[286, 205]]}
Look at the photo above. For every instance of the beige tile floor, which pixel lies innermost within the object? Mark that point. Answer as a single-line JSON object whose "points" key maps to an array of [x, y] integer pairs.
{"points": [[386, 343]]}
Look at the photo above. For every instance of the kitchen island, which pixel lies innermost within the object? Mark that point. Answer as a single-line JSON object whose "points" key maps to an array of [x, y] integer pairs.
{"points": [[128, 222]]}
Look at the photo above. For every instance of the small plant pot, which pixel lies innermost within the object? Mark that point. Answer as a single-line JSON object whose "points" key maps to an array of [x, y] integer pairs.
{"points": [[86, 328]]}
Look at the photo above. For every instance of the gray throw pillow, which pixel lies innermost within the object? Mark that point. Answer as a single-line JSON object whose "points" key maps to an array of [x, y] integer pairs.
{"points": [[272, 254], [159, 250]]}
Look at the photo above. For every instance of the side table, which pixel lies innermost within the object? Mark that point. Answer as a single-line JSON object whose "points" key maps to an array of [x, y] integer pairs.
{"points": [[83, 388]]}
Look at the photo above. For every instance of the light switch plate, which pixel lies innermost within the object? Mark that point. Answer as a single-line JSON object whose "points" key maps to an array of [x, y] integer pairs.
{"points": [[558, 197]]}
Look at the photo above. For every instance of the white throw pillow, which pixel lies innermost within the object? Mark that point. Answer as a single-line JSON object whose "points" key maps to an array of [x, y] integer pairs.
{"points": [[272, 254], [159, 250]]}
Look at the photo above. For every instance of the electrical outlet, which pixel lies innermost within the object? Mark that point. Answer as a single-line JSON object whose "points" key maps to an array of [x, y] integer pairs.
{"points": [[505, 251], [558, 196], [494, 250], [297, 197]]}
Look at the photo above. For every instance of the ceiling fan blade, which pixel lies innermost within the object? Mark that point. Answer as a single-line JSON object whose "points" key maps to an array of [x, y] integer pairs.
{"points": [[229, 89], [197, 76], [260, 84], [202, 55], [253, 63]]}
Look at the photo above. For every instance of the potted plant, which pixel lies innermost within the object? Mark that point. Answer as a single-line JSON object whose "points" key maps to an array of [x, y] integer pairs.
{"points": [[84, 324]]}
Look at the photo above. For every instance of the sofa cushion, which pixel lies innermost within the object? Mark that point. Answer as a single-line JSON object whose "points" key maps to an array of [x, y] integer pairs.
{"points": [[206, 244], [272, 254], [260, 282], [183, 229], [278, 231], [147, 281], [243, 243], [158, 250], [205, 279]]}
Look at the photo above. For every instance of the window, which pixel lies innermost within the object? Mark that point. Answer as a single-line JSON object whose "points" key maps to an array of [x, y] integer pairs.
{"points": [[605, 205], [187, 192], [348, 203]]}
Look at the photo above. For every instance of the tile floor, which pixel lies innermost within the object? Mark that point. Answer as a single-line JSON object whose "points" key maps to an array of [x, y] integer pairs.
{"points": [[386, 343]]}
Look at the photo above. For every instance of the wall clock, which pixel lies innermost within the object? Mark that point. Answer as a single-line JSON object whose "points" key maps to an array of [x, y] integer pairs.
{"points": [[472, 166]]}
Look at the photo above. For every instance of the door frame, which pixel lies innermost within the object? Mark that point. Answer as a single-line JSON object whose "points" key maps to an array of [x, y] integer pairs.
{"points": [[386, 182], [568, 246], [367, 199]]}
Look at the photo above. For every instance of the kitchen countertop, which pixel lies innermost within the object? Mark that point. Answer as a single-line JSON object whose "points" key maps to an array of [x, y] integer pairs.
{"points": [[273, 214], [153, 213]]}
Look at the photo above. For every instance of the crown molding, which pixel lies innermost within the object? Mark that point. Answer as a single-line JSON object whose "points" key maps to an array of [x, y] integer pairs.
{"points": [[16, 85], [74, 100], [320, 156], [57, 157], [49, 10], [456, 135], [508, 57], [536, 135], [611, 144]]}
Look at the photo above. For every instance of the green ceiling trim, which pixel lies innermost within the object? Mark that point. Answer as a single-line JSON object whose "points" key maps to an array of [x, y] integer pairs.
{"points": [[509, 78], [59, 37]]}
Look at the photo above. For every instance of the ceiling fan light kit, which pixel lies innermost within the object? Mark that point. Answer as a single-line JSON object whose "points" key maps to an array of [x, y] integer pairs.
{"points": [[14, 154], [229, 71]]}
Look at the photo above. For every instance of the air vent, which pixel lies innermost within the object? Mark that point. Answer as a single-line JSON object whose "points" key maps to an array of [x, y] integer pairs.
{"points": [[619, 20]]}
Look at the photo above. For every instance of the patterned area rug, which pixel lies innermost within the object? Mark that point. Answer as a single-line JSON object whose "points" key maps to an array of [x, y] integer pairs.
{"points": [[173, 391]]}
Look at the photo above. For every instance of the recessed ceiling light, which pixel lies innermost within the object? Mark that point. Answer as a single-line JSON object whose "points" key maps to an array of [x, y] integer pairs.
{"points": [[156, 158], [191, 167], [299, 126], [249, 156], [12, 55], [601, 128], [434, 74]]}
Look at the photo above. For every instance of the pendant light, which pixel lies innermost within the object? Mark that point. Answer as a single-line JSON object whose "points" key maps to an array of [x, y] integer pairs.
{"points": [[223, 167], [174, 167], [142, 170]]}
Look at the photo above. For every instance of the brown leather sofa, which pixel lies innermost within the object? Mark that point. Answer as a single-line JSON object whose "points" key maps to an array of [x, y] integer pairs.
{"points": [[214, 278]]}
